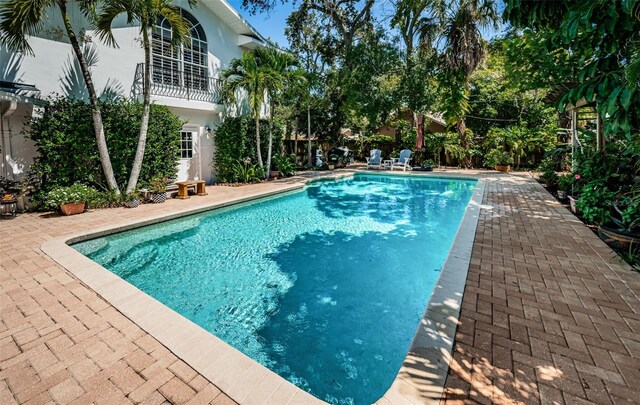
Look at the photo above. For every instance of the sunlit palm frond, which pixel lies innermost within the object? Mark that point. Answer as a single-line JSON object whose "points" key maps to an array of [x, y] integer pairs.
{"points": [[145, 13], [179, 26], [108, 13], [19, 19]]}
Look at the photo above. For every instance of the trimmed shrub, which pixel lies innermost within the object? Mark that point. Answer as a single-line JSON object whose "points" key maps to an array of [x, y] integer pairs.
{"points": [[67, 150], [235, 141]]}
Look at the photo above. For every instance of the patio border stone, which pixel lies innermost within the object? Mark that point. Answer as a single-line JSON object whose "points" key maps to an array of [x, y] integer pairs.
{"points": [[420, 379]]}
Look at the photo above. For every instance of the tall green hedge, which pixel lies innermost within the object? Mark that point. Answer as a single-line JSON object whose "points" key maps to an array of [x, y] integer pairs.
{"points": [[67, 150], [235, 139]]}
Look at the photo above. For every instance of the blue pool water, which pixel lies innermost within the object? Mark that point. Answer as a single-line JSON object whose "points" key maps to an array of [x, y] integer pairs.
{"points": [[325, 286]]}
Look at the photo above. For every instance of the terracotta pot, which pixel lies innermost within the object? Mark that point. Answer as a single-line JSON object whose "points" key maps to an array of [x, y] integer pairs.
{"points": [[274, 174], [503, 168], [618, 236], [331, 167], [72, 209], [572, 203]]}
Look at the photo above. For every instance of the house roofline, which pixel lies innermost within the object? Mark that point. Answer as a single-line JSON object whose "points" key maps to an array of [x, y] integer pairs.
{"points": [[240, 25]]}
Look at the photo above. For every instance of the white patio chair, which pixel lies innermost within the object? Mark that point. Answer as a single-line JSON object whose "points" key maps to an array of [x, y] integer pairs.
{"points": [[403, 161], [375, 159]]}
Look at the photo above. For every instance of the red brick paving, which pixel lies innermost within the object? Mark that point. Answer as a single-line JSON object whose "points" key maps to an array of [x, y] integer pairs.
{"points": [[549, 313], [61, 342]]}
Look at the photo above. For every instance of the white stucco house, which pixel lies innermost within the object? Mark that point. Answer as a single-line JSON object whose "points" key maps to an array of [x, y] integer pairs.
{"points": [[186, 80]]}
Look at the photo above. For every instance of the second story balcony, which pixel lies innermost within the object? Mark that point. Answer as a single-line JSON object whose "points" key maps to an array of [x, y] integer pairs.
{"points": [[174, 83]]}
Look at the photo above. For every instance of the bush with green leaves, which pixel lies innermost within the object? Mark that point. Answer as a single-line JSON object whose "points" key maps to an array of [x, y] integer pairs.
{"points": [[67, 151], [498, 156], [158, 185], [596, 202], [285, 165], [235, 140], [565, 182], [74, 194], [245, 172], [547, 169]]}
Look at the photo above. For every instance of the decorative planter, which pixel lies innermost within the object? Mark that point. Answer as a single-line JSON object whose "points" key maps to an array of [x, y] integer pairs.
{"points": [[8, 207], [422, 169], [72, 209], [131, 203], [158, 198], [331, 167], [572, 203], [274, 174], [562, 195], [503, 168], [620, 237]]}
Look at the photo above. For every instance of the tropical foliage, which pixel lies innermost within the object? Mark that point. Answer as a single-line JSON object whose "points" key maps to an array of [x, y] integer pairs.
{"points": [[145, 14], [235, 142], [20, 18], [67, 152]]}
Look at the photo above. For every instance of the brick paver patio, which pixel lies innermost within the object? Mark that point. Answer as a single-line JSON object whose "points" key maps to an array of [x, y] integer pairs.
{"points": [[61, 342], [549, 314]]}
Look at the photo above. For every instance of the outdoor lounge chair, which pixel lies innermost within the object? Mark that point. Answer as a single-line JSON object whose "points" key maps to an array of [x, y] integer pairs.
{"points": [[375, 159], [403, 161]]}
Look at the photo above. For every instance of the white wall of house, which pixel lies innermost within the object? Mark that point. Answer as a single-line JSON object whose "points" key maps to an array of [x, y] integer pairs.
{"points": [[18, 152], [116, 67]]}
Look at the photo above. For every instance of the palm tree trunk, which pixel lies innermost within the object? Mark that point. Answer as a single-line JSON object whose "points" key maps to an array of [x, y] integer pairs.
{"points": [[270, 140], [144, 125], [461, 126], [309, 133], [98, 127], [295, 141], [258, 139]]}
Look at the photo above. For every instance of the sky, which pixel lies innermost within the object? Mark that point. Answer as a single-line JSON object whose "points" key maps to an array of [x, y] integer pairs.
{"points": [[272, 23]]}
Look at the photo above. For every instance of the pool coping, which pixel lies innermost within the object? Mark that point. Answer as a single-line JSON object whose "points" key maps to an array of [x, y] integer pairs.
{"points": [[421, 377]]}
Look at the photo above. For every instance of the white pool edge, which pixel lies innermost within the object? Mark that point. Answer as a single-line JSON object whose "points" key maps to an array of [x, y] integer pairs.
{"points": [[242, 378]]}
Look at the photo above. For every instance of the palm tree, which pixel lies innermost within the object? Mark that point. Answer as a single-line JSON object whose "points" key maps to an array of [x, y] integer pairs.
{"points": [[279, 69], [146, 14], [464, 51], [20, 18], [246, 75]]}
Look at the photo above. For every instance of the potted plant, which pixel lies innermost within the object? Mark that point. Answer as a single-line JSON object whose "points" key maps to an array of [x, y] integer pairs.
{"points": [[624, 228], [131, 200], [158, 189], [70, 200], [548, 173], [343, 161], [499, 159], [427, 165], [564, 185]]}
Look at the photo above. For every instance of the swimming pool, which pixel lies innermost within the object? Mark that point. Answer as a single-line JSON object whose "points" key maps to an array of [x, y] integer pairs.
{"points": [[325, 286]]}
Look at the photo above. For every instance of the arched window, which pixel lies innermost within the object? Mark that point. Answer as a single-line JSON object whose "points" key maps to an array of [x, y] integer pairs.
{"points": [[185, 66]]}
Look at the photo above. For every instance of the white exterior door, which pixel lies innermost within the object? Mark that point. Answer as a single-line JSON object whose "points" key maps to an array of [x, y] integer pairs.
{"points": [[188, 165]]}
